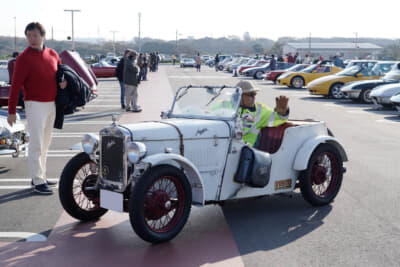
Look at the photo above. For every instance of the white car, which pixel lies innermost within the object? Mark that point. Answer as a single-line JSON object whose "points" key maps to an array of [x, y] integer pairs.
{"points": [[381, 95], [4, 71], [195, 155], [187, 62], [13, 139], [396, 101]]}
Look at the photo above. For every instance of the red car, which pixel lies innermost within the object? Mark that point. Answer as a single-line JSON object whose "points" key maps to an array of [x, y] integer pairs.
{"points": [[257, 64], [103, 70], [273, 75], [73, 60]]}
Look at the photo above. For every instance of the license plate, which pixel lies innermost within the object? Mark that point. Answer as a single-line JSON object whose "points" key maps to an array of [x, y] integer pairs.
{"points": [[111, 200]]}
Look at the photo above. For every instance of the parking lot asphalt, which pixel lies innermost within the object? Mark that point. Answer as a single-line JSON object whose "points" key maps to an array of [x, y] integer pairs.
{"points": [[360, 228]]}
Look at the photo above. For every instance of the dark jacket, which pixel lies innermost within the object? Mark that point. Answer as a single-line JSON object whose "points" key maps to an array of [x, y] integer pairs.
{"points": [[76, 94], [119, 70], [131, 72]]}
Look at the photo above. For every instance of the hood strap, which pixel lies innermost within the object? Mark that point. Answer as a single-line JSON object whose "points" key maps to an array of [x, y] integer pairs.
{"points": [[181, 146]]}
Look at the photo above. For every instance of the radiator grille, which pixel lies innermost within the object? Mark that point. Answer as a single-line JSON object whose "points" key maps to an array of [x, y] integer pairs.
{"points": [[112, 154]]}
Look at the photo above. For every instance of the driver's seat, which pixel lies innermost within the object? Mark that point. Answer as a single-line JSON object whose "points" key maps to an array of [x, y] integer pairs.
{"points": [[270, 138]]}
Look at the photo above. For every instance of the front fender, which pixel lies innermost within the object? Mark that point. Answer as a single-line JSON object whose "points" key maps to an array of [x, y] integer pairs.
{"points": [[307, 148], [193, 174]]}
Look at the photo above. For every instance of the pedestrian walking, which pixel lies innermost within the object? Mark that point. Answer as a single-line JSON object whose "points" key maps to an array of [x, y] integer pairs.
{"points": [[216, 61], [198, 62], [35, 70], [119, 72], [131, 82]]}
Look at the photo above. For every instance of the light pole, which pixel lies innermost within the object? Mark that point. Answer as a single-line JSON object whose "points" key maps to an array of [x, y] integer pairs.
{"points": [[72, 15], [140, 43], [113, 32], [15, 34], [356, 43]]}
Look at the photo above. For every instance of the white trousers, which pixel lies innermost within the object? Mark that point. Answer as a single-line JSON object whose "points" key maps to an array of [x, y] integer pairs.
{"points": [[131, 94], [40, 119]]}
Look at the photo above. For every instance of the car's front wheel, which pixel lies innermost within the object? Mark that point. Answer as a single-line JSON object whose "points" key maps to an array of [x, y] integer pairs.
{"points": [[335, 91], [258, 75], [77, 191], [297, 82], [321, 181], [365, 96], [160, 204]]}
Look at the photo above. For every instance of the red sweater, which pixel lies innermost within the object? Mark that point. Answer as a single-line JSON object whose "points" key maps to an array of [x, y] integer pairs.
{"points": [[35, 71]]}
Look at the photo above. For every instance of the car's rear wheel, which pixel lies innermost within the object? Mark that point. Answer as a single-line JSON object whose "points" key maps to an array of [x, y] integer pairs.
{"points": [[77, 191], [365, 96], [335, 91], [297, 82], [160, 204], [321, 181]]}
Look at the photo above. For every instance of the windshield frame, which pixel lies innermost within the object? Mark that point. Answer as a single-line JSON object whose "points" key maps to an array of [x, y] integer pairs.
{"points": [[170, 113]]}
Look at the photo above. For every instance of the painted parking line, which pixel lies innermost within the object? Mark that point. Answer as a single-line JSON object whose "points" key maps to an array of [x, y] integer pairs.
{"points": [[27, 236], [102, 106], [13, 183], [77, 122]]}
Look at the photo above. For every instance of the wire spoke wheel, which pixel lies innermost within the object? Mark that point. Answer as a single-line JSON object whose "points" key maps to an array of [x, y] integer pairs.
{"points": [[77, 190], [160, 204], [321, 182]]}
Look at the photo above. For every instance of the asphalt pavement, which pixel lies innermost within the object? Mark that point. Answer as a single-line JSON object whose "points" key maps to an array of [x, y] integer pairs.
{"points": [[360, 228]]}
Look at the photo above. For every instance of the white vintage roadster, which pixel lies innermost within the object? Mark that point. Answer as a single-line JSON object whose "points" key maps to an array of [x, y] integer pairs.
{"points": [[195, 155]]}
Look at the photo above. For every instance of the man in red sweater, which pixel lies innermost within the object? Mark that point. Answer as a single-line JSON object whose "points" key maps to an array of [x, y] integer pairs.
{"points": [[35, 71]]}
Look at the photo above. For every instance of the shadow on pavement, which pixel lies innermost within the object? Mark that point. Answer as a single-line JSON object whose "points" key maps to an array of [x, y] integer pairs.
{"points": [[21, 194], [94, 115], [271, 222]]}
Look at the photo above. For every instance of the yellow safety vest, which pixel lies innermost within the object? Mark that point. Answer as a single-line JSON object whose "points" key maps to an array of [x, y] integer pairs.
{"points": [[263, 117]]}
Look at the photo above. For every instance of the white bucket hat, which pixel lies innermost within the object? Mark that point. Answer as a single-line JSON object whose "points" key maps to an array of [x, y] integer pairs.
{"points": [[247, 87]]}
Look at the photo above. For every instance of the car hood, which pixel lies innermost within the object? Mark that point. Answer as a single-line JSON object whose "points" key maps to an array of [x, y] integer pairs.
{"points": [[168, 129], [329, 78], [386, 90]]}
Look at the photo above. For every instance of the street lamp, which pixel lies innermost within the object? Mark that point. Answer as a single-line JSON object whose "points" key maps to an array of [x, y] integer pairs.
{"points": [[113, 32], [72, 15], [15, 34]]}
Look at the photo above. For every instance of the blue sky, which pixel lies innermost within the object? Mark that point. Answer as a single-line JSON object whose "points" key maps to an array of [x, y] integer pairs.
{"points": [[213, 18]]}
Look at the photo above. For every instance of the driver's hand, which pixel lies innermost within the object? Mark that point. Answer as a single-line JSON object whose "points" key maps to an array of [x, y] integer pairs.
{"points": [[281, 104], [11, 119]]}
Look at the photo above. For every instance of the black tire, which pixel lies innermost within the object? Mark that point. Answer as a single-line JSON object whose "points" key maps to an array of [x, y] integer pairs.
{"points": [[221, 68], [335, 91], [153, 199], [258, 75], [78, 171], [297, 82], [316, 176], [364, 96]]}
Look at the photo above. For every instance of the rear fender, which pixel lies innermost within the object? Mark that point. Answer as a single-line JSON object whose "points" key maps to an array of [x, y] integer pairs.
{"points": [[307, 148], [191, 171]]}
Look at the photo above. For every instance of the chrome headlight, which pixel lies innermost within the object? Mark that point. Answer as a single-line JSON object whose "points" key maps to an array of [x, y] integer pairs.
{"points": [[135, 151], [90, 143]]}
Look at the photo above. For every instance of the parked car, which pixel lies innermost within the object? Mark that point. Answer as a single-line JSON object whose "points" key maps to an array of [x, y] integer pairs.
{"points": [[222, 62], [396, 101], [360, 90], [73, 60], [13, 140], [302, 78], [4, 71], [381, 95], [236, 65], [331, 84], [258, 72], [274, 74], [103, 69], [195, 155], [251, 64], [187, 62]]}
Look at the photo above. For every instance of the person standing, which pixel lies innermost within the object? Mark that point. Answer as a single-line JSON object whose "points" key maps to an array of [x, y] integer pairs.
{"points": [[272, 62], [173, 59], [131, 82], [119, 72], [290, 58], [216, 59], [35, 70], [198, 62]]}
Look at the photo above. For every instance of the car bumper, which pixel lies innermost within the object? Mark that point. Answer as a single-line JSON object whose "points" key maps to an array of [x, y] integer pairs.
{"points": [[351, 94], [283, 82], [317, 91]]}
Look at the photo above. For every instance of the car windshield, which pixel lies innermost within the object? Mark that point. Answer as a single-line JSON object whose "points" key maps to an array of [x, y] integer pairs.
{"points": [[366, 69], [297, 67], [310, 69], [351, 71], [206, 101]]}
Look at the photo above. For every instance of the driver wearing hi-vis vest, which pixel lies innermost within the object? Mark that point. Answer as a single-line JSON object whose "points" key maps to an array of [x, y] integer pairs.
{"points": [[257, 115]]}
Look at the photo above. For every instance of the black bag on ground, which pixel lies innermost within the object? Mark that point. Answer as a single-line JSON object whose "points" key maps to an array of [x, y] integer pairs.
{"points": [[254, 167]]}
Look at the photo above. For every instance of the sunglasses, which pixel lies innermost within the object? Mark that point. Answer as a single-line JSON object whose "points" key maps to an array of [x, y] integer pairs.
{"points": [[250, 94]]}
